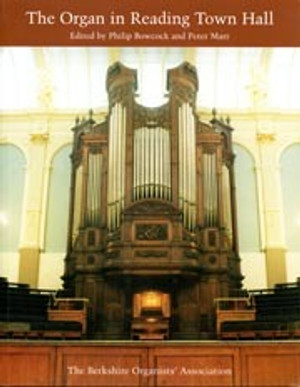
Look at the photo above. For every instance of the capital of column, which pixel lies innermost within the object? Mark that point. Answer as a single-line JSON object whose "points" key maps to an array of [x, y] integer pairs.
{"points": [[265, 138], [39, 138]]}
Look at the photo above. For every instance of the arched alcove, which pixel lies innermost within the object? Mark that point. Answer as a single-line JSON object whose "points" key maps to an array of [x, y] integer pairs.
{"points": [[253, 259], [247, 201], [58, 202], [12, 177], [290, 182]]}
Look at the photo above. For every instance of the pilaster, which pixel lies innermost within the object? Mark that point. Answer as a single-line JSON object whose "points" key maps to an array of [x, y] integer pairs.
{"points": [[30, 233], [272, 205]]}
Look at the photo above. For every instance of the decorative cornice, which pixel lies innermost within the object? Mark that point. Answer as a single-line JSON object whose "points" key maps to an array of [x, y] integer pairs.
{"points": [[150, 207], [151, 117]]}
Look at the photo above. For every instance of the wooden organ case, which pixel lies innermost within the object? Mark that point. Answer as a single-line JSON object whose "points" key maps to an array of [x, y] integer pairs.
{"points": [[152, 207]]}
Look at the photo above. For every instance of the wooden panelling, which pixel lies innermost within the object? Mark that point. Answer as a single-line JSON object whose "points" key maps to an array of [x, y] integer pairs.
{"points": [[195, 366], [27, 366], [149, 364], [101, 366], [271, 365]]}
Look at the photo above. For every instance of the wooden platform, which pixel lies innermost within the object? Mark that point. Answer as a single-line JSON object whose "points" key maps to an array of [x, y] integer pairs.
{"points": [[95, 363]]}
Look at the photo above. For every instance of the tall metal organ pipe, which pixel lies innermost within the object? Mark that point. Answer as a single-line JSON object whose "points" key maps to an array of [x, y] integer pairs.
{"points": [[92, 215], [227, 204], [151, 165], [116, 166], [77, 201], [210, 188], [187, 164]]}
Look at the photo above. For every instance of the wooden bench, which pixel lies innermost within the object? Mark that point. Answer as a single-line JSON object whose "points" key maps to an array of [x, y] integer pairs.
{"points": [[70, 309], [233, 309]]}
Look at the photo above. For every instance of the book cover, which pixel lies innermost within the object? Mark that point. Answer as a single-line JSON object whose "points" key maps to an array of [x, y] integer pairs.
{"points": [[149, 161]]}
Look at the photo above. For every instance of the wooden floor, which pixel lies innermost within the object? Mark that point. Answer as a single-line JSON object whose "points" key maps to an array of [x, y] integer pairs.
{"points": [[98, 363]]}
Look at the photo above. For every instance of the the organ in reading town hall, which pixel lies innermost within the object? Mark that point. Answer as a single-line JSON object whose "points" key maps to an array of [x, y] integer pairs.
{"points": [[152, 231]]}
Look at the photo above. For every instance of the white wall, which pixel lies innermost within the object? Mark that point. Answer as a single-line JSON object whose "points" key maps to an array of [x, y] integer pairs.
{"points": [[9, 266], [253, 267], [293, 266], [50, 271]]}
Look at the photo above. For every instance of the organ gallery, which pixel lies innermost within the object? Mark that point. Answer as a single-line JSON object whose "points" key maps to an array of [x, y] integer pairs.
{"points": [[152, 237]]}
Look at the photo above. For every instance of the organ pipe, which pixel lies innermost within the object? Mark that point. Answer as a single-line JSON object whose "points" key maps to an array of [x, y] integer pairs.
{"points": [[152, 163], [187, 165], [77, 201], [94, 184], [116, 163], [147, 162], [227, 203], [161, 168], [152, 174], [157, 157], [166, 156], [123, 156], [210, 187]]}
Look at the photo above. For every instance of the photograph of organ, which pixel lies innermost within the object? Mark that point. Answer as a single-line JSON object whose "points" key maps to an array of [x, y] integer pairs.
{"points": [[152, 210]]}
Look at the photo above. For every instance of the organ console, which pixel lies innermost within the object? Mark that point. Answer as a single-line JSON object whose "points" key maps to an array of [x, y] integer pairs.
{"points": [[151, 315], [152, 210]]}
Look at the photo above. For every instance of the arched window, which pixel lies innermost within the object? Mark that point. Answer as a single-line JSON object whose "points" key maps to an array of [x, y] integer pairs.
{"points": [[58, 202], [12, 174], [290, 167], [247, 201]]}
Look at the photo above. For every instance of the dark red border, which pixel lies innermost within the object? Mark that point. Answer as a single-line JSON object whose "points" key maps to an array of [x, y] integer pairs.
{"points": [[15, 29]]}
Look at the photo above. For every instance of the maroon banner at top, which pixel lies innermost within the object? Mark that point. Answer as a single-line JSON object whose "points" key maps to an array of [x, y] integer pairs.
{"points": [[191, 23]]}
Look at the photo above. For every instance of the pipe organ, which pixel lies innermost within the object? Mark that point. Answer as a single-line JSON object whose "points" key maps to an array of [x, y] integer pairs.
{"points": [[152, 209], [151, 166]]}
